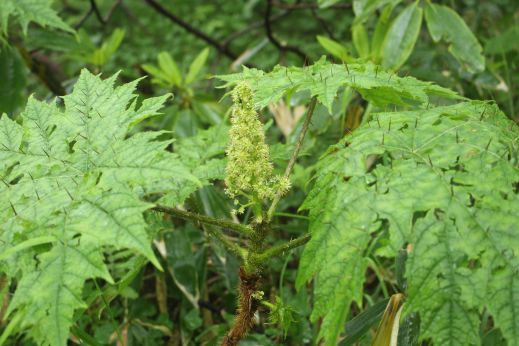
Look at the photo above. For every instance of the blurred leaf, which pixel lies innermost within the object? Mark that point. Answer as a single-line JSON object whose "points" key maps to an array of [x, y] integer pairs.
{"points": [[53, 40], [89, 53], [364, 9], [360, 40], [196, 66], [110, 47], [158, 76], [12, 77], [409, 332], [387, 331], [360, 324], [27, 11], [170, 68], [192, 320], [505, 42], [327, 3], [401, 37], [444, 23], [182, 264], [381, 29], [334, 48]]}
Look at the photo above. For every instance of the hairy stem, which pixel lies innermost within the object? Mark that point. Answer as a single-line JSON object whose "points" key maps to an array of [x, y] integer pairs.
{"points": [[282, 248], [295, 153], [247, 306], [239, 228], [231, 246]]}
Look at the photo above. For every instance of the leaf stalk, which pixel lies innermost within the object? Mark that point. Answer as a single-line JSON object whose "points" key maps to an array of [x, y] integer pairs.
{"points": [[239, 228], [293, 158]]}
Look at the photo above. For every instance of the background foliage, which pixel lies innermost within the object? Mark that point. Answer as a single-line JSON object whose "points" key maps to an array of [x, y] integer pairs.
{"points": [[398, 165]]}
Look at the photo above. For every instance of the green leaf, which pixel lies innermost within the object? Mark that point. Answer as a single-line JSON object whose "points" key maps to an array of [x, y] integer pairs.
{"points": [[12, 74], [360, 40], [444, 23], [324, 79], [401, 37], [170, 68], [441, 180], [27, 11], [358, 326], [110, 46], [49, 295], [381, 29], [364, 9], [327, 3], [434, 289], [504, 42], [335, 48], [204, 155], [74, 182], [88, 52], [196, 66], [335, 253]]}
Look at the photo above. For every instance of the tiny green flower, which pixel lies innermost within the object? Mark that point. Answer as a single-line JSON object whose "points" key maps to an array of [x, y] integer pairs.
{"points": [[249, 169]]}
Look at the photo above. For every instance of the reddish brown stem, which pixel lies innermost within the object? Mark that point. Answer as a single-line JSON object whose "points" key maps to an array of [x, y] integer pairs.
{"points": [[247, 306]]}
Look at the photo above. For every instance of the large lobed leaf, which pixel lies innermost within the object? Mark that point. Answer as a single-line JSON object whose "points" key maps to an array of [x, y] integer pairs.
{"points": [[73, 181], [27, 11], [442, 182], [324, 80]]}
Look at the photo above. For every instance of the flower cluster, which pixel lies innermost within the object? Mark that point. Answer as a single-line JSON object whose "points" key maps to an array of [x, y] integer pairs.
{"points": [[249, 170]]}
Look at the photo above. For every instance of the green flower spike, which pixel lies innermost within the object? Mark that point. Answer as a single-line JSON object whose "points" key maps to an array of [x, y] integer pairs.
{"points": [[249, 170]]}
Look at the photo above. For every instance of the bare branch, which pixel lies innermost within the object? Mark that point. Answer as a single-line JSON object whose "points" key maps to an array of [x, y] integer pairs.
{"points": [[306, 6], [93, 6], [222, 48], [281, 46]]}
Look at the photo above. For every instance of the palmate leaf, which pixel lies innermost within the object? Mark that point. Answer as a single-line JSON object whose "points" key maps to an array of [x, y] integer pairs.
{"points": [[442, 182], [27, 11], [203, 154], [324, 79], [75, 178]]}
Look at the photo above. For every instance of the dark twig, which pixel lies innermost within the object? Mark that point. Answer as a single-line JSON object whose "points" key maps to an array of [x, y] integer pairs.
{"points": [[93, 6], [224, 49], [281, 46], [94, 9], [254, 26], [309, 5], [112, 10], [323, 23], [84, 18], [45, 69]]}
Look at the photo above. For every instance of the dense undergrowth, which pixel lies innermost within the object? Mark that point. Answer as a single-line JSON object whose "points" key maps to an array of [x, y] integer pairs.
{"points": [[286, 199]]}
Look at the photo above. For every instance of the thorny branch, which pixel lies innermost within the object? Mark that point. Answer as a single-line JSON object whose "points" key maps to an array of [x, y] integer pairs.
{"points": [[237, 227], [282, 248]]}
